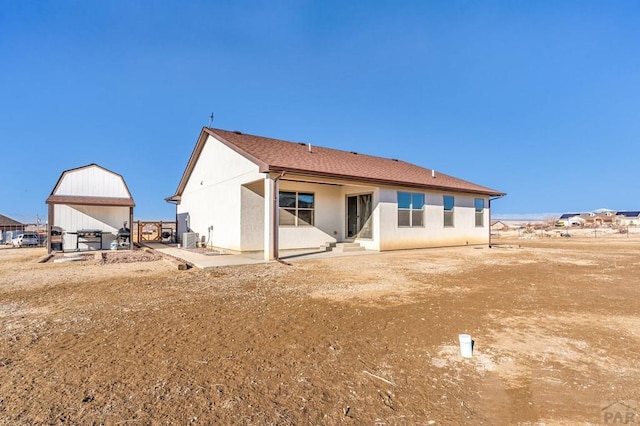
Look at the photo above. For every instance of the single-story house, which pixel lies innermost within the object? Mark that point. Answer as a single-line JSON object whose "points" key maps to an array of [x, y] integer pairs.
{"points": [[89, 208], [571, 219], [498, 225], [11, 226], [600, 217], [628, 218], [246, 193]]}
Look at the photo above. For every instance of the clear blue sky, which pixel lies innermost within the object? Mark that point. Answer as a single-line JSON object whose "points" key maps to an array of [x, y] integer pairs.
{"points": [[539, 99]]}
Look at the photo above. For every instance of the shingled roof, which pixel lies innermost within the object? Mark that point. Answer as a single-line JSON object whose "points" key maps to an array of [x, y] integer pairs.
{"points": [[275, 155], [8, 222]]}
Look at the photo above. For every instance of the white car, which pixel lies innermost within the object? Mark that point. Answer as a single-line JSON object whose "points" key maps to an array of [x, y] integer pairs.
{"points": [[25, 240]]}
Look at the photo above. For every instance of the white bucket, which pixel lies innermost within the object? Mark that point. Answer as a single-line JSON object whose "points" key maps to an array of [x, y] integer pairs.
{"points": [[114, 245], [466, 345]]}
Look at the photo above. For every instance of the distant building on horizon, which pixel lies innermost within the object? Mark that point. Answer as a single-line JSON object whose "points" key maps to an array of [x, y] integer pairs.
{"points": [[600, 217]]}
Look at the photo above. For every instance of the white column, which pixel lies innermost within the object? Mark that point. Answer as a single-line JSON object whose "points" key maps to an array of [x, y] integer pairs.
{"points": [[269, 217]]}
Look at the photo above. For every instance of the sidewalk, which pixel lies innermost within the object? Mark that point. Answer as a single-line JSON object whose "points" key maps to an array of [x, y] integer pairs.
{"points": [[205, 261]]}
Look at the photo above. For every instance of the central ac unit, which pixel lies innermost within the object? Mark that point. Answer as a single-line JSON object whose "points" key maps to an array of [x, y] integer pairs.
{"points": [[190, 240]]}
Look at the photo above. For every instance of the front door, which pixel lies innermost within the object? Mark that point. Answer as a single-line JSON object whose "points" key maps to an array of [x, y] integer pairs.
{"points": [[359, 220]]}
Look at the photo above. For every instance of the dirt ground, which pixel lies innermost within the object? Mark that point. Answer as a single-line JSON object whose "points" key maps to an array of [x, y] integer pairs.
{"points": [[352, 340]]}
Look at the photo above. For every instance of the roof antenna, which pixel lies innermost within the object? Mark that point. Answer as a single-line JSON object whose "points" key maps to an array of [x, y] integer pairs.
{"points": [[211, 120]]}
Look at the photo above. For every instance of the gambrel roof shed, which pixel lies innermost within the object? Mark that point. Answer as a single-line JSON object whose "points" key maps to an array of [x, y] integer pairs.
{"points": [[90, 198], [91, 185]]}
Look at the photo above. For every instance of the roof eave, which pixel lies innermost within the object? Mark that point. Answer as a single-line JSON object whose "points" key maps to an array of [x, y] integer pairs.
{"points": [[90, 201], [197, 150], [279, 169]]}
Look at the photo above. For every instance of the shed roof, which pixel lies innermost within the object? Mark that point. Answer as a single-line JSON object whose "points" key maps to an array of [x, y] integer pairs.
{"points": [[275, 155]]}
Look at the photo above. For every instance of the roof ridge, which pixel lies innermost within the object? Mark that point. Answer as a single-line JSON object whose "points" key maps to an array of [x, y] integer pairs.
{"points": [[319, 146], [273, 155]]}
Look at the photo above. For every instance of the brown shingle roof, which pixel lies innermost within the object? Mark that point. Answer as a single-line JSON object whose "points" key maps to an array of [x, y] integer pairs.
{"points": [[274, 155], [7, 221]]}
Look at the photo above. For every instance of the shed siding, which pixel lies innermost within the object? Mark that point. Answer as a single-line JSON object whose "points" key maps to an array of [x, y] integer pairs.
{"points": [[73, 218], [92, 181]]}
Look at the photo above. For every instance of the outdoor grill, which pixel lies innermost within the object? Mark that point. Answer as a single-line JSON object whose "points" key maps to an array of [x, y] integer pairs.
{"points": [[88, 237], [123, 237]]}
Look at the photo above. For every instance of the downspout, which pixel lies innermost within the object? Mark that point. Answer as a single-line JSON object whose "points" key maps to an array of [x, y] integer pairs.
{"points": [[174, 238], [491, 199], [276, 230]]}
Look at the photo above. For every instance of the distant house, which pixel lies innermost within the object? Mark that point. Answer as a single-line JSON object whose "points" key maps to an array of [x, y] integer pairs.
{"points": [[9, 225], [628, 218], [250, 193], [89, 205], [498, 225], [601, 217], [571, 219]]}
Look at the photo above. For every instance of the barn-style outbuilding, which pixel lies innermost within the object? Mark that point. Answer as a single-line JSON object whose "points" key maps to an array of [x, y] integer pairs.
{"points": [[89, 209]]}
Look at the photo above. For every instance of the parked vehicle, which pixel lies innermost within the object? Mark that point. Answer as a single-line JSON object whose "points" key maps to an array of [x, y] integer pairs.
{"points": [[25, 240]]}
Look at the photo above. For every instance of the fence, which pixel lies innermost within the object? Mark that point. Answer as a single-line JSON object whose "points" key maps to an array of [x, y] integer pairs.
{"points": [[158, 231]]}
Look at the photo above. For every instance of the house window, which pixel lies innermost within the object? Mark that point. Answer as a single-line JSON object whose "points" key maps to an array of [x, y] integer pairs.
{"points": [[410, 209], [479, 203], [296, 208], [448, 202]]}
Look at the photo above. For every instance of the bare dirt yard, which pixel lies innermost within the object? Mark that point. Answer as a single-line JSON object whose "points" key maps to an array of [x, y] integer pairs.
{"points": [[353, 340]]}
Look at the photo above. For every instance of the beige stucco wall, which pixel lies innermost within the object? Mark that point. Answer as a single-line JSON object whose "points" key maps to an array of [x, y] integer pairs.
{"points": [[372, 243], [252, 216], [433, 234], [213, 195], [328, 226]]}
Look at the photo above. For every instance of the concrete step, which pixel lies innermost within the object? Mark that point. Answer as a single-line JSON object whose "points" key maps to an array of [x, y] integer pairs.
{"points": [[346, 247], [327, 246]]}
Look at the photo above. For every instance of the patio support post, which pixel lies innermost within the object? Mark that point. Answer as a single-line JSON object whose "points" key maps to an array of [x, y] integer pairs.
{"points": [[490, 200], [270, 193]]}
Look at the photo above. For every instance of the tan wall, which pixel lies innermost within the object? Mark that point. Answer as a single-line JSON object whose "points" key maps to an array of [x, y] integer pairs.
{"points": [[433, 233]]}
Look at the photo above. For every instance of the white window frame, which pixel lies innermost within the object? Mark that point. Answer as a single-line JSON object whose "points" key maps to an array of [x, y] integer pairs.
{"points": [[448, 213], [411, 209], [295, 210], [479, 212]]}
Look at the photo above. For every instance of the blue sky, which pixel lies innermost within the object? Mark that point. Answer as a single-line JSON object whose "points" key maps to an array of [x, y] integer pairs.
{"points": [[537, 99]]}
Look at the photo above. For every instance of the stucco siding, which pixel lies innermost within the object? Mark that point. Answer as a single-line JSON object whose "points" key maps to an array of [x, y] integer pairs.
{"points": [[213, 198], [372, 243], [252, 216], [433, 233], [328, 224]]}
